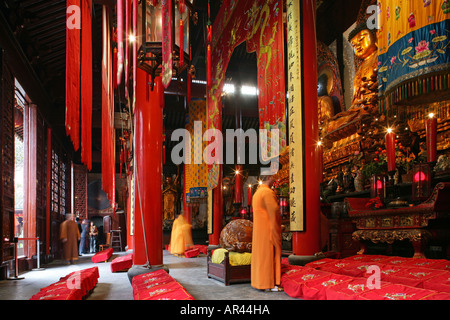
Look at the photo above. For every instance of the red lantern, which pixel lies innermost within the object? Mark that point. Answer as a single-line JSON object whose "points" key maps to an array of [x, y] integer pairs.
{"points": [[421, 184], [378, 187]]}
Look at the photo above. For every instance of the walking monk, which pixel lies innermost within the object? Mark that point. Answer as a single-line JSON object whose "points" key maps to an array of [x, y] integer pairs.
{"points": [[69, 237], [266, 240]]}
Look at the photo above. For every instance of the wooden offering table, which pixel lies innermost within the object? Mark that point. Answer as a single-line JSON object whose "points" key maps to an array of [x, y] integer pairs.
{"points": [[391, 224]]}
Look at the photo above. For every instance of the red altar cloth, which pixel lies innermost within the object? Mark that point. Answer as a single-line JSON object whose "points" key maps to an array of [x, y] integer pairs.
{"points": [[102, 255], [122, 263]]}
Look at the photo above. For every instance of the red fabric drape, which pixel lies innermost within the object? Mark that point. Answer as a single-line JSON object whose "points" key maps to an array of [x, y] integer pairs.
{"points": [[108, 134], [73, 73], [86, 85]]}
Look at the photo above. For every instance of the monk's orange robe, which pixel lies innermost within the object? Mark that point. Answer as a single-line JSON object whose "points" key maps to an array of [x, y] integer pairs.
{"points": [[266, 240], [181, 236]]}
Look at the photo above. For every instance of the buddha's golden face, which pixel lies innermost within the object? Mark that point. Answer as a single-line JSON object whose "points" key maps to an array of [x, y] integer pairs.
{"points": [[364, 44]]}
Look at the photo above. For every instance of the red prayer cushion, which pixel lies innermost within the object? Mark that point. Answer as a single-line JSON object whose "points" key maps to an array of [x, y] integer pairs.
{"points": [[367, 258], [315, 289], [414, 277], [359, 269], [438, 296], [201, 248], [440, 283], [191, 253], [294, 280], [122, 263], [397, 261], [396, 292], [425, 263], [350, 290], [102, 255], [442, 265]]}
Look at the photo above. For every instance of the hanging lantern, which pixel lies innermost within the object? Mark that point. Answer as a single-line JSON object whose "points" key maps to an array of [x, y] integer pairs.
{"points": [[378, 187], [421, 184], [164, 28]]}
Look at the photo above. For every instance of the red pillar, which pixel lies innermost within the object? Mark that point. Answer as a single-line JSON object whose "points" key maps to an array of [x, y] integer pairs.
{"points": [[308, 242], [148, 238], [217, 211]]}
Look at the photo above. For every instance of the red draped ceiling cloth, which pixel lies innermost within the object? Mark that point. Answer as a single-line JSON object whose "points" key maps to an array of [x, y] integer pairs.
{"points": [[260, 23], [79, 76]]}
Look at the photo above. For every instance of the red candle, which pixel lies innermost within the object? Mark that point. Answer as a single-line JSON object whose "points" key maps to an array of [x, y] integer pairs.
{"points": [[238, 185], [320, 154], [249, 197], [431, 132], [390, 150]]}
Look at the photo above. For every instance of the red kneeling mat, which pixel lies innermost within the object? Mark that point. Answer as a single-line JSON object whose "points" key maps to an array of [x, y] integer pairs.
{"points": [[397, 292], [102, 255], [158, 285], [122, 263], [73, 286]]}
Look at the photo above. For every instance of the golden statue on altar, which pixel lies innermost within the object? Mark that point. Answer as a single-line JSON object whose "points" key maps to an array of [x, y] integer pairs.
{"points": [[170, 196], [365, 92]]}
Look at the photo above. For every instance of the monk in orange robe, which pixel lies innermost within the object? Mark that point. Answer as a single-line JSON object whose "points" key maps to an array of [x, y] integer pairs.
{"points": [[69, 235], [181, 236], [266, 239]]}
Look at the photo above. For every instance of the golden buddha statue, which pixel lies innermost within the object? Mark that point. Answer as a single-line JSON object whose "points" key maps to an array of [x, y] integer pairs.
{"points": [[170, 195], [365, 88]]}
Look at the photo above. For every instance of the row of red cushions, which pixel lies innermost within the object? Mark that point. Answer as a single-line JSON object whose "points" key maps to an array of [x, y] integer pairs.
{"points": [[431, 274], [73, 286], [158, 285], [102, 255], [311, 284], [401, 278]]}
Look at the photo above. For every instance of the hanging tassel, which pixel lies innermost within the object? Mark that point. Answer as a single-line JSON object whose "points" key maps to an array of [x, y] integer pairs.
{"points": [[189, 80], [181, 43]]}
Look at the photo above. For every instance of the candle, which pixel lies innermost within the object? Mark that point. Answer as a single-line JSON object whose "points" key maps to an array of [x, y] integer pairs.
{"points": [[320, 154], [249, 197], [431, 133], [238, 184], [390, 149]]}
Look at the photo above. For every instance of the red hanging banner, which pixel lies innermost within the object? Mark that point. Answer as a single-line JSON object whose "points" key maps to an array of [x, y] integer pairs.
{"points": [[73, 60], [108, 133], [260, 24], [119, 41], [167, 35], [86, 85]]}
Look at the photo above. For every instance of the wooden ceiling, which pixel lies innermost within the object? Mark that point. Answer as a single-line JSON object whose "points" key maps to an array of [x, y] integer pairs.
{"points": [[39, 27]]}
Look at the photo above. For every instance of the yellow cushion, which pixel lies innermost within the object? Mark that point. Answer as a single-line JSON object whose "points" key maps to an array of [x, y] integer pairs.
{"points": [[236, 258]]}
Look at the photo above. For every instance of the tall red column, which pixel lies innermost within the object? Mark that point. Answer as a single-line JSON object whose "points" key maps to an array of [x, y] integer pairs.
{"points": [[307, 243], [217, 211], [148, 238]]}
